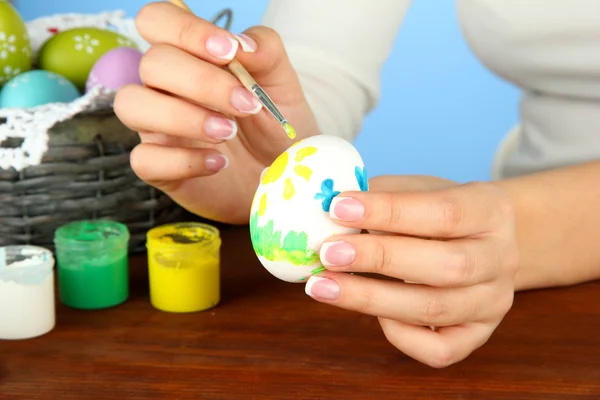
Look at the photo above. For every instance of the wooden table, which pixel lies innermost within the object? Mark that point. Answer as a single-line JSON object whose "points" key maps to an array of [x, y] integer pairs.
{"points": [[268, 340]]}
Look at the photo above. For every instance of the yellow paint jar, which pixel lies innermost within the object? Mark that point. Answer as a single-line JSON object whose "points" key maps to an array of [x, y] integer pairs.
{"points": [[184, 267]]}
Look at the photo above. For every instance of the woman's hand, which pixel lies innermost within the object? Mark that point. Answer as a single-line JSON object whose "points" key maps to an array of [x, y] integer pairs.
{"points": [[456, 246], [195, 118]]}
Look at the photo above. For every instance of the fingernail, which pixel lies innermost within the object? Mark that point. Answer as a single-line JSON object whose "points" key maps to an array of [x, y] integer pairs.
{"points": [[347, 209], [337, 254], [222, 47], [322, 288], [248, 44], [244, 101], [220, 128], [216, 162]]}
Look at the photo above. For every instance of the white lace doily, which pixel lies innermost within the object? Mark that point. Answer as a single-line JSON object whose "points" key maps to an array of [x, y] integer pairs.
{"points": [[32, 124]]}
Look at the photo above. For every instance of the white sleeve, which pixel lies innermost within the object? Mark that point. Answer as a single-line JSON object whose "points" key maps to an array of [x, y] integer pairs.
{"points": [[338, 48]]}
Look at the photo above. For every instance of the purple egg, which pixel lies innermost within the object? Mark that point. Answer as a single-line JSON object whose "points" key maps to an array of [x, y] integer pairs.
{"points": [[116, 68]]}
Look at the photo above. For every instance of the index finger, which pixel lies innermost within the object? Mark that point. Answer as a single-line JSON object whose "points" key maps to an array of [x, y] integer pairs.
{"points": [[166, 23], [461, 211]]}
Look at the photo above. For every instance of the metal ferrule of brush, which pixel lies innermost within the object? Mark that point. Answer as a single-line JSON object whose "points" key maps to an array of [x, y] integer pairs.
{"points": [[264, 98]]}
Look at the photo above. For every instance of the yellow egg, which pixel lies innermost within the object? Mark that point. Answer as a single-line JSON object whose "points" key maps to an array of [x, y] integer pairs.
{"points": [[289, 217]]}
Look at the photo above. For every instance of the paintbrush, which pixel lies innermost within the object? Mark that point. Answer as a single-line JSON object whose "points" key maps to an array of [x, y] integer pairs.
{"points": [[249, 83]]}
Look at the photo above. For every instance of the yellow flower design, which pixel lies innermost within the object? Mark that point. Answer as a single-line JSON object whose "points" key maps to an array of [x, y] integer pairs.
{"points": [[303, 171], [305, 152], [262, 206], [276, 169], [288, 189]]}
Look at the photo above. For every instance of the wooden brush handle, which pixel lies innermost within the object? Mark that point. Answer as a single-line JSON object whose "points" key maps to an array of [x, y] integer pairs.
{"points": [[181, 4], [237, 69]]}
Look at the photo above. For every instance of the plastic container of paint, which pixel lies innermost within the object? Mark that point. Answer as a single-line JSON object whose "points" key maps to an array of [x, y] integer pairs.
{"points": [[92, 264], [27, 306], [184, 267]]}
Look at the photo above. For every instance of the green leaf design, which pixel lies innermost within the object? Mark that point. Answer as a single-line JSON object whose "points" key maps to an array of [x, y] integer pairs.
{"points": [[267, 243]]}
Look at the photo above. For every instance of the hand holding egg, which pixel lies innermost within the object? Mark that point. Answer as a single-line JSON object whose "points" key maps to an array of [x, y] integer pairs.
{"points": [[289, 219], [448, 255]]}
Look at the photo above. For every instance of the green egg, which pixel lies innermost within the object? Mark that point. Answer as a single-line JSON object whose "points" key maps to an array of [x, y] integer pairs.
{"points": [[73, 53], [15, 48]]}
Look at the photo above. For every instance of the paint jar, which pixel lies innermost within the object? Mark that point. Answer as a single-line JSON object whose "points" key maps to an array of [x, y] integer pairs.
{"points": [[27, 307], [92, 264], [184, 267]]}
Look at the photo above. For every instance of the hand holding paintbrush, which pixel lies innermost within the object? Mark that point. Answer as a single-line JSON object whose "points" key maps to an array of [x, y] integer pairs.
{"points": [[204, 137], [240, 72]]}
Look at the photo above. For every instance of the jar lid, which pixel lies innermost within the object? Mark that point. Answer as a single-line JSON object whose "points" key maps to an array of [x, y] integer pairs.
{"points": [[183, 234], [25, 264], [89, 234]]}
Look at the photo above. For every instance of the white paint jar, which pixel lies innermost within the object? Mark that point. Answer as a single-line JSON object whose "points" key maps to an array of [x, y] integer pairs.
{"points": [[27, 305]]}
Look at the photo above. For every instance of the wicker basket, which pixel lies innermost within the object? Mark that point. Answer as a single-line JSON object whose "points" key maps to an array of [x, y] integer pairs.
{"points": [[84, 173]]}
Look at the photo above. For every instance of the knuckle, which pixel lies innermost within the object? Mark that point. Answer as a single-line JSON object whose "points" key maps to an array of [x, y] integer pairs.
{"points": [[143, 17], [395, 210], [506, 302], [381, 258], [136, 162], [512, 261], [270, 46], [119, 105], [124, 96], [190, 32], [502, 208], [443, 357], [459, 268], [365, 303], [202, 85], [147, 18], [272, 33], [505, 207], [148, 63], [267, 33], [431, 311], [452, 215]]}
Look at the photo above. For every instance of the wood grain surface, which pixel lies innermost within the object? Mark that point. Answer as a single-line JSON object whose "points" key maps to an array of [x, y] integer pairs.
{"points": [[268, 340]]}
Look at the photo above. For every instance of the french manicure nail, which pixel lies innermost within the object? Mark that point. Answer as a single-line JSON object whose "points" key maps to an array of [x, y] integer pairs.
{"points": [[347, 209], [244, 101], [322, 288], [216, 162], [220, 128], [337, 254], [248, 44], [222, 47]]}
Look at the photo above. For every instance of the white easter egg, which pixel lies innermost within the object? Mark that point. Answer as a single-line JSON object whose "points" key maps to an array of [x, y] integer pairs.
{"points": [[289, 217]]}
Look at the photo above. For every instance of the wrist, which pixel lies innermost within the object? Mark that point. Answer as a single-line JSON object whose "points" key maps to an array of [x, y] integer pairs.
{"points": [[556, 225]]}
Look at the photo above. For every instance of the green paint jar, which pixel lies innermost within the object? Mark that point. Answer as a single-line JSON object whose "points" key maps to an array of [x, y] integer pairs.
{"points": [[92, 264]]}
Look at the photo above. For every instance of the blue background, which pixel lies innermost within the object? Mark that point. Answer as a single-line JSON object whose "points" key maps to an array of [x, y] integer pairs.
{"points": [[441, 112]]}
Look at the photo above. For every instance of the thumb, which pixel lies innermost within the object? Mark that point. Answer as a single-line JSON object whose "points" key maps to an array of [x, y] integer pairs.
{"points": [[268, 63]]}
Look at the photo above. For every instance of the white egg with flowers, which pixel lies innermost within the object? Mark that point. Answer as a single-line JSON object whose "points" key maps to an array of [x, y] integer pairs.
{"points": [[289, 217]]}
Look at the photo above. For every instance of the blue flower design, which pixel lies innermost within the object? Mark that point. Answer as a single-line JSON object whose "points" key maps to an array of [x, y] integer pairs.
{"points": [[361, 178], [327, 194]]}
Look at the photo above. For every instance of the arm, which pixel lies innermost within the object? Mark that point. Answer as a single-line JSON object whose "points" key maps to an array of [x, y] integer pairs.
{"points": [[338, 48], [558, 225]]}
